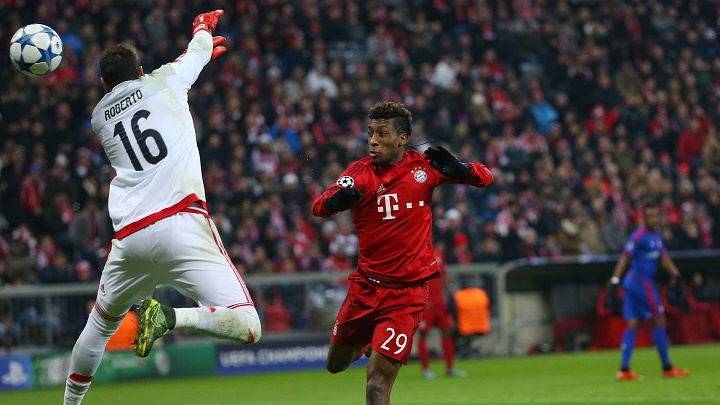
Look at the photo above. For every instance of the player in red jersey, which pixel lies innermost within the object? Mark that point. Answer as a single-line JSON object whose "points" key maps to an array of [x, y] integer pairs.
{"points": [[389, 194], [437, 315]]}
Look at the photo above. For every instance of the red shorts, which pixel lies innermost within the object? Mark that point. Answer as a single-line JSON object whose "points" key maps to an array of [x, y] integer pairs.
{"points": [[435, 316], [387, 318]]}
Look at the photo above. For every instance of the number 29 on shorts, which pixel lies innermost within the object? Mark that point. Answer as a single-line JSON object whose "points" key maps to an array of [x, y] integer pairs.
{"points": [[400, 341]]}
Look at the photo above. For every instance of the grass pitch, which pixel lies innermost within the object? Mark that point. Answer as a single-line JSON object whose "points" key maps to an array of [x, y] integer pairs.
{"points": [[578, 378]]}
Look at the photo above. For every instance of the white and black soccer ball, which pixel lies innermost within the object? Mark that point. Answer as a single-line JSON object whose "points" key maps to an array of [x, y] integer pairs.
{"points": [[36, 50], [346, 181]]}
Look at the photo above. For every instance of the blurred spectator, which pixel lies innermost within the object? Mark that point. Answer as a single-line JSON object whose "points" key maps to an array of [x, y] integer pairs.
{"points": [[21, 266], [589, 234], [88, 233], [569, 237], [58, 271], [614, 233], [701, 291], [691, 143], [544, 114], [318, 81], [711, 151], [488, 250], [84, 272], [529, 246]]}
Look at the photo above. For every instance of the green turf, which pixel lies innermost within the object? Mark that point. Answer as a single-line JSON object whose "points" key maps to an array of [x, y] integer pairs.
{"points": [[582, 378]]}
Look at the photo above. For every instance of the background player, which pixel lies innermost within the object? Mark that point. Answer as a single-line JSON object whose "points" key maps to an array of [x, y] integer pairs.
{"points": [[643, 251], [437, 315], [389, 194], [164, 234]]}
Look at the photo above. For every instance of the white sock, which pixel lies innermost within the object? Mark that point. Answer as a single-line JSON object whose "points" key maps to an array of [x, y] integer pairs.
{"points": [[241, 325], [187, 318], [74, 392], [86, 356]]}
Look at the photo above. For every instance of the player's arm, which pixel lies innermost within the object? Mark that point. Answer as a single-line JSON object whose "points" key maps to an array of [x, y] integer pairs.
{"points": [[454, 171], [620, 267], [668, 264], [622, 264], [201, 49], [341, 196]]}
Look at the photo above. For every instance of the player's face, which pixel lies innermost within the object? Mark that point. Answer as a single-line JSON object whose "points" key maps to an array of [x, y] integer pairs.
{"points": [[385, 144], [652, 217]]}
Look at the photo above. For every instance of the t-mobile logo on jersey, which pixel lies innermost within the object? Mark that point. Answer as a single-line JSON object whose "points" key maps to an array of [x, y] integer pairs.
{"points": [[387, 203]]}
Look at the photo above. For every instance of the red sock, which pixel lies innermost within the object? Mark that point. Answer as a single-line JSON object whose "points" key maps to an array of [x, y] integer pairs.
{"points": [[449, 350], [423, 353]]}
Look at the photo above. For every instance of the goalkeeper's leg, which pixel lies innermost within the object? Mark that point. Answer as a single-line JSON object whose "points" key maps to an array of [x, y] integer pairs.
{"points": [[241, 324], [88, 352]]}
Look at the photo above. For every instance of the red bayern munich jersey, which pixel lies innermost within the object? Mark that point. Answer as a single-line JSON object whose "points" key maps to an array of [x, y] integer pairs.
{"points": [[394, 220]]}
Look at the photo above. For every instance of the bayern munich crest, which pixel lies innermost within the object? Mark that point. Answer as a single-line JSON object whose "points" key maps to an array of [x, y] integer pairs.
{"points": [[345, 181], [419, 174]]}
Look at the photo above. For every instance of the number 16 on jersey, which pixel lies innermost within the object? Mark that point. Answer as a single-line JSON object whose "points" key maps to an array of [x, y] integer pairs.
{"points": [[141, 140]]}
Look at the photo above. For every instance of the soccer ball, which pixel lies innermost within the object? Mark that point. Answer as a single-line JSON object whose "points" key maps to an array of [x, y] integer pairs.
{"points": [[36, 50]]}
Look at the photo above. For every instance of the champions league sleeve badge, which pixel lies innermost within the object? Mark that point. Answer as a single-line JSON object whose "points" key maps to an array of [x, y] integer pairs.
{"points": [[345, 181]]}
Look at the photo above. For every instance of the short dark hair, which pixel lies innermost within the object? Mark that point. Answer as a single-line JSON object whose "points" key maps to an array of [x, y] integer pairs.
{"points": [[400, 116], [119, 63]]}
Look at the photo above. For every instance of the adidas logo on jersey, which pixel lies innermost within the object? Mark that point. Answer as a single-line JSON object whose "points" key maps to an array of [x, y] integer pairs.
{"points": [[381, 188]]}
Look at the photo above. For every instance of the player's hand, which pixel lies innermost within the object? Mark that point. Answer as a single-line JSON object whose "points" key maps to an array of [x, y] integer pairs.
{"points": [[206, 22], [446, 163], [343, 199], [614, 286], [218, 49]]}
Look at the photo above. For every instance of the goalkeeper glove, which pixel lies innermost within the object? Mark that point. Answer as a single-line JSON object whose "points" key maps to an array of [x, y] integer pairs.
{"points": [[216, 51], [217, 48], [446, 163], [343, 199], [206, 22]]}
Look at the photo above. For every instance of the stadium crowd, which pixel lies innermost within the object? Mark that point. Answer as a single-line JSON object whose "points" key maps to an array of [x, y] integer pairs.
{"points": [[582, 109]]}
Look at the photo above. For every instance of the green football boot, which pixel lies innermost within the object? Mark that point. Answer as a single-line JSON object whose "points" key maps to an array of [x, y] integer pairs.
{"points": [[155, 322]]}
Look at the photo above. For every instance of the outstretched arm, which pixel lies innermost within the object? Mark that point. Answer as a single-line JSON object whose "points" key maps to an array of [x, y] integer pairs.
{"points": [[453, 171], [201, 49]]}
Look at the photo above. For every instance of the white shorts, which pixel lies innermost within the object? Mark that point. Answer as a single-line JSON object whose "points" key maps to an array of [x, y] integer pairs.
{"points": [[183, 251]]}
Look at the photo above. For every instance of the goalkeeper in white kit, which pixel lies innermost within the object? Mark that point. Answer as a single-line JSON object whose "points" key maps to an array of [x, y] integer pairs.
{"points": [[164, 235]]}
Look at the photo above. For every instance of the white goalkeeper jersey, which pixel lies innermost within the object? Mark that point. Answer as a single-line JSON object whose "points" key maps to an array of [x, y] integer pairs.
{"points": [[147, 131]]}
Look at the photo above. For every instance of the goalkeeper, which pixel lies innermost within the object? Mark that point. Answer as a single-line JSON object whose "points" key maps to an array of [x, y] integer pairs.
{"points": [[643, 251], [163, 232]]}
